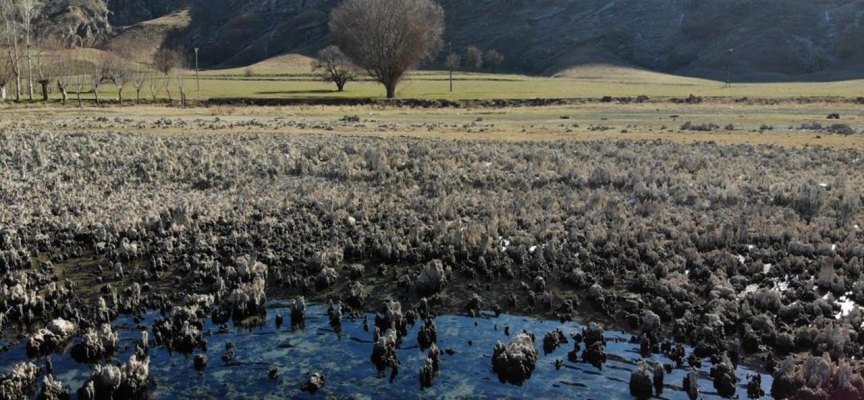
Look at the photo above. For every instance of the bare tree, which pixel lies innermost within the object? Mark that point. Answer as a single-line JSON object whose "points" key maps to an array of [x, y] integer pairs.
{"points": [[9, 12], [28, 11], [6, 76], [64, 79], [453, 62], [165, 60], [182, 67], [334, 66], [493, 58], [46, 64], [153, 85], [80, 75], [474, 58], [139, 77], [117, 71], [388, 38], [97, 74]]}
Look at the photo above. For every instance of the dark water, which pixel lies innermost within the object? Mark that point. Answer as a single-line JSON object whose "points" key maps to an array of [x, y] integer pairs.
{"points": [[350, 374]]}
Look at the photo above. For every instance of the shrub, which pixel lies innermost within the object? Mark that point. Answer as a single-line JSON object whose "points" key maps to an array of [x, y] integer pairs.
{"points": [[841, 129]]}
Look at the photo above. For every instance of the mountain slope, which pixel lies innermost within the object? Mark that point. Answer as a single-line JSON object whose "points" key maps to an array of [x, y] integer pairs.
{"points": [[772, 39]]}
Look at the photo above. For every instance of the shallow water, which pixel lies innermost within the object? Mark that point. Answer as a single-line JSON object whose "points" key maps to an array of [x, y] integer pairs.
{"points": [[350, 374]]}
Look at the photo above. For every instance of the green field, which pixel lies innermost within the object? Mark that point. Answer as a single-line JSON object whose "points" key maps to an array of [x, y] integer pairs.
{"points": [[290, 76]]}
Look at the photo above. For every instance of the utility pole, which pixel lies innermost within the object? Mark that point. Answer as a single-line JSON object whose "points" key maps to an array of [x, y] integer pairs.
{"points": [[197, 81], [729, 68], [450, 45]]}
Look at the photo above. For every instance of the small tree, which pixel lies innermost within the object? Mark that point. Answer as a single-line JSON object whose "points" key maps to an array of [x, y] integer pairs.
{"points": [[165, 60], [80, 76], [65, 78], [45, 64], [493, 59], [28, 12], [117, 71], [334, 66], [453, 62], [474, 58], [6, 76], [97, 74], [388, 38], [9, 13], [182, 67], [153, 85], [139, 77]]}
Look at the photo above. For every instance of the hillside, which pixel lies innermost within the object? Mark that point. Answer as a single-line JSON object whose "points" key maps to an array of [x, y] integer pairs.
{"points": [[774, 40]]}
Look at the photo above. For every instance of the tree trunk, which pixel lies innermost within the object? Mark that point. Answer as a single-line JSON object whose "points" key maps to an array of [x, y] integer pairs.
{"points": [[120, 95], [17, 86], [44, 85], [96, 94], [79, 99], [391, 90], [138, 96], [29, 69], [340, 86], [3, 92], [451, 80], [65, 95]]}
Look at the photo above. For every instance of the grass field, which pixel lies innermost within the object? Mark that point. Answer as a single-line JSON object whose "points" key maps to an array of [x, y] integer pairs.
{"points": [[738, 124], [781, 122], [289, 76], [587, 82]]}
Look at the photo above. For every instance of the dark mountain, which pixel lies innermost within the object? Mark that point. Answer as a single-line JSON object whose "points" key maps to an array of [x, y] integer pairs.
{"points": [[772, 39]]}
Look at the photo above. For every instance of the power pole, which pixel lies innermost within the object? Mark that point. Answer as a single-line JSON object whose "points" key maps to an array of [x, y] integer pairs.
{"points": [[450, 44], [729, 68], [197, 82]]}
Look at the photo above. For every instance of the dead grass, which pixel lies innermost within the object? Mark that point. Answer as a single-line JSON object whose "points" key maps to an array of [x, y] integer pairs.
{"points": [[634, 121]]}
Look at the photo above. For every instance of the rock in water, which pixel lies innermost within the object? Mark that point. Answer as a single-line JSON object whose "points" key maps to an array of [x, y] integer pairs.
{"points": [[52, 390], [724, 377], [96, 344], [49, 339], [427, 336], [427, 374], [200, 362], [316, 381], [126, 381], [691, 384], [298, 313], [553, 340], [515, 362], [659, 373], [640, 383], [754, 387], [20, 383]]}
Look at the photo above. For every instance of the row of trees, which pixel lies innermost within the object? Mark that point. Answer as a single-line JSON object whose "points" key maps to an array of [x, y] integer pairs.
{"points": [[476, 58], [86, 70], [29, 61]]}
